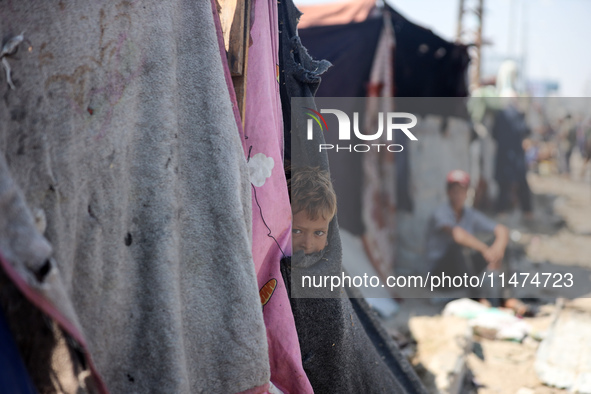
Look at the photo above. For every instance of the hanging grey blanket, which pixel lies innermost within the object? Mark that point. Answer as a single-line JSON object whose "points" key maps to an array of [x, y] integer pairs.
{"points": [[120, 129]]}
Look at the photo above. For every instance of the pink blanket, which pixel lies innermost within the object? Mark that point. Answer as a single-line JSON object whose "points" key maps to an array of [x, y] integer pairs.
{"points": [[263, 145]]}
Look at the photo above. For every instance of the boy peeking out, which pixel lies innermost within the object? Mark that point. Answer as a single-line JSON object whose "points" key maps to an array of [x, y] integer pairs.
{"points": [[313, 206]]}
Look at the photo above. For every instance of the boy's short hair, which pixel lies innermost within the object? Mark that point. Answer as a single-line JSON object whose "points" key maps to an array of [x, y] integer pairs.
{"points": [[311, 191]]}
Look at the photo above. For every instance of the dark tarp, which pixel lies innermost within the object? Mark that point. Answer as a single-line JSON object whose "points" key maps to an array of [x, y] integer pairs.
{"points": [[350, 48], [425, 65]]}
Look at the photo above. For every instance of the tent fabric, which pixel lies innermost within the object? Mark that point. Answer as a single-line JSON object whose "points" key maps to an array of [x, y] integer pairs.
{"points": [[387, 349], [338, 355], [227, 73], [425, 64], [379, 168], [32, 292], [351, 49], [121, 130], [54, 355], [343, 348], [271, 227]]}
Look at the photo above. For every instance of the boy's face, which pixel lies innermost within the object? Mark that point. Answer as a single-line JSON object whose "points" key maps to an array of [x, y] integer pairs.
{"points": [[309, 235], [457, 195]]}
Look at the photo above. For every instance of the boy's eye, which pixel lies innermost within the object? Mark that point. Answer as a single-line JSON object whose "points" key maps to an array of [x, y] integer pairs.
{"points": [[319, 233], [296, 231]]}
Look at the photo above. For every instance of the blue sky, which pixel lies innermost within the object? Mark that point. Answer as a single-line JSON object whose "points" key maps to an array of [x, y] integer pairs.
{"points": [[555, 35]]}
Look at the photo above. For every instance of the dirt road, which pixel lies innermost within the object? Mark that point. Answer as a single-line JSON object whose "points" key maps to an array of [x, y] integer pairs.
{"points": [[557, 239]]}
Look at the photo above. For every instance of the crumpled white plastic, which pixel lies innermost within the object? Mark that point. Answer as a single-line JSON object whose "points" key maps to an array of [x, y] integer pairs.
{"points": [[260, 167]]}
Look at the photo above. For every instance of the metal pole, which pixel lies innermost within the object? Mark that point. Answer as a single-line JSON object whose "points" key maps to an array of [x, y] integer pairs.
{"points": [[460, 22], [478, 63]]}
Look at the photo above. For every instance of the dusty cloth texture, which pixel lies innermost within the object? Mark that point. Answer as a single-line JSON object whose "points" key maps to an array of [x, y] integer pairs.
{"points": [[33, 295], [339, 343], [271, 227], [344, 348], [121, 129]]}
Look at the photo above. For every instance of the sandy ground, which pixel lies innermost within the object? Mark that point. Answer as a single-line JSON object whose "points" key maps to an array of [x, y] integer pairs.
{"points": [[558, 239]]}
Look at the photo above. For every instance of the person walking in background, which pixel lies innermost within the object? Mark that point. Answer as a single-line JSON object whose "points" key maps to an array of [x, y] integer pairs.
{"points": [[509, 131], [567, 140], [584, 143]]}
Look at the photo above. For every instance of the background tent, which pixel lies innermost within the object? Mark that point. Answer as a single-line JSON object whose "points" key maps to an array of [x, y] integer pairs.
{"points": [[422, 65]]}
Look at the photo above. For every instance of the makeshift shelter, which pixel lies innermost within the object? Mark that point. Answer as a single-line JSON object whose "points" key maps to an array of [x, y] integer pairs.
{"points": [[343, 346], [377, 52]]}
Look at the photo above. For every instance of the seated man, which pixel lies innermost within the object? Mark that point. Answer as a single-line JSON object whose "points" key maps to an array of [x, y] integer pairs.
{"points": [[452, 228], [451, 233]]}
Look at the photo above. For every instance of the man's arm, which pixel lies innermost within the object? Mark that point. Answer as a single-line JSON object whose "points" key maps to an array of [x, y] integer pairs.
{"points": [[494, 255], [464, 238]]}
